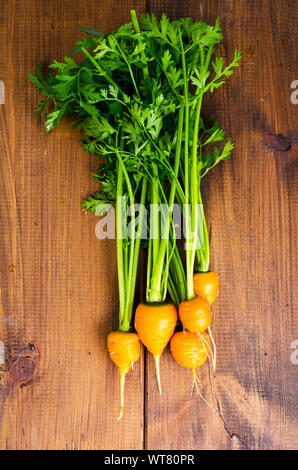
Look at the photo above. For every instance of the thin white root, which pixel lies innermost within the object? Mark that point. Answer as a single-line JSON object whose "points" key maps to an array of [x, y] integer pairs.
{"points": [[195, 384], [204, 343], [214, 347], [122, 384], [194, 381], [157, 359]]}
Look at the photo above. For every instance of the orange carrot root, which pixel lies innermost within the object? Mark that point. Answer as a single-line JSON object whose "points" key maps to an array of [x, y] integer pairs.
{"points": [[124, 349], [195, 314], [155, 324], [157, 368], [206, 285]]}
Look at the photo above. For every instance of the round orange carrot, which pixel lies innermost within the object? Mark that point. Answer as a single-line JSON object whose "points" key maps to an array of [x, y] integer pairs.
{"points": [[206, 285], [195, 314], [190, 349], [155, 324], [124, 349]]}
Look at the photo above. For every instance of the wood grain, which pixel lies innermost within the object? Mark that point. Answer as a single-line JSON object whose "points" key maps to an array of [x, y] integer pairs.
{"points": [[58, 290], [62, 295], [251, 206]]}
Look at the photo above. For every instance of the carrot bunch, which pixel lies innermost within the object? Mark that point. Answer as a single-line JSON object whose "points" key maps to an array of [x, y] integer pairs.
{"points": [[137, 97]]}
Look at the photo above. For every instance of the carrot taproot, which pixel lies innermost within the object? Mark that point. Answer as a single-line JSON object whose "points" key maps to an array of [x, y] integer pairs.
{"points": [[190, 350], [124, 349], [155, 324], [206, 285], [195, 314]]}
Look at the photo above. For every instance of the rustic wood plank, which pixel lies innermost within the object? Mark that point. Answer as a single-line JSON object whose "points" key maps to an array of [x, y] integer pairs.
{"points": [[51, 300], [251, 205], [59, 298]]}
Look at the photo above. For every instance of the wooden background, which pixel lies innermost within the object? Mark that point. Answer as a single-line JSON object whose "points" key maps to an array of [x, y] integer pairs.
{"points": [[58, 298]]}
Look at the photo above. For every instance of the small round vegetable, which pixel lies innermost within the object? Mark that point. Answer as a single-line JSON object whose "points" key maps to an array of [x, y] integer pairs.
{"points": [[190, 349], [195, 314], [124, 349], [206, 285], [155, 324]]}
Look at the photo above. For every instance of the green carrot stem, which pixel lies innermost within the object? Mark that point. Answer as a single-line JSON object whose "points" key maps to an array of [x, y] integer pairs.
{"points": [[178, 273], [203, 253], [125, 323], [137, 249], [149, 267], [195, 185], [154, 295], [129, 68], [98, 67], [120, 261], [160, 257], [173, 292], [189, 268], [155, 215], [137, 30]]}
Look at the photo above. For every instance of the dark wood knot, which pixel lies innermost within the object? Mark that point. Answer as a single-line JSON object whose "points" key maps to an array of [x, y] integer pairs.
{"points": [[277, 142], [23, 366]]}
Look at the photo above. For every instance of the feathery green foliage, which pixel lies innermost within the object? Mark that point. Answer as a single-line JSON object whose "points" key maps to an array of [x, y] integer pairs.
{"points": [[137, 97]]}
